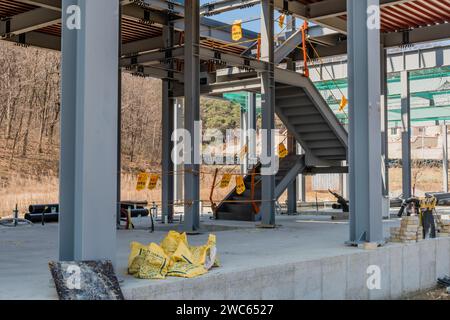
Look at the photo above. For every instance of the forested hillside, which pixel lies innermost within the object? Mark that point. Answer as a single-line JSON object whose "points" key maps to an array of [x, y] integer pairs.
{"points": [[29, 124]]}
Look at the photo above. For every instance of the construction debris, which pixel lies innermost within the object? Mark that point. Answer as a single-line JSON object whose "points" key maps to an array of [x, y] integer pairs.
{"points": [[172, 257], [410, 231]]}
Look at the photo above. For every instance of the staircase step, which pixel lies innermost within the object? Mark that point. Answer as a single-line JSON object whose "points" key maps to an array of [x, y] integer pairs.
{"points": [[306, 119], [289, 90], [320, 144], [329, 152], [306, 110], [318, 136], [302, 129], [293, 94], [293, 102]]}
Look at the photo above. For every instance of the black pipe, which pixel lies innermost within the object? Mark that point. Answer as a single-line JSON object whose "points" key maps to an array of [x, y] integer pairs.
{"points": [[135, 212], [37, 217], [43, 208]]}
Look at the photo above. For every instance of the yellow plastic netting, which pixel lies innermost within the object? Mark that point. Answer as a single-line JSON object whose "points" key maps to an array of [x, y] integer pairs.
{"points": [[173, 257]]}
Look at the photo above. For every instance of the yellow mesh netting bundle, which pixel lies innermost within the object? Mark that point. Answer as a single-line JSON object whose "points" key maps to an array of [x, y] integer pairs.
{"points": [[172, 257]]}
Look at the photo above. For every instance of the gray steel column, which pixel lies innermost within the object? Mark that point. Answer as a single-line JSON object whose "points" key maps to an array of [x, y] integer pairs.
{"points": [[119, 125], [406, 134], [268, 110], [251, 122], [167, 165], [178, 124], [89, 124], [243, 140], [445, 157], [292, 145], [292, 188], [301, 180], [385, 208], [364, 123], [384, 122], [192, 113]]}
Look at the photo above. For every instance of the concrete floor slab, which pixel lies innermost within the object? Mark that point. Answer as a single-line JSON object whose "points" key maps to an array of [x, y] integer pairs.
{"points": [[304, 258]]}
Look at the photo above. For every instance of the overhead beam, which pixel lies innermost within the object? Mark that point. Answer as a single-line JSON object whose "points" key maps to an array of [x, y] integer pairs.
{"points": [[217, 7], [48, 4], [37, 39], [424, 34], [334, 8], [395, 39], [29, 21]]}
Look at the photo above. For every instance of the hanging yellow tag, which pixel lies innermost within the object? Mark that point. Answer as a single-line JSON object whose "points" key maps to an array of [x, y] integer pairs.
{"points": [[142, 181], [281, 20], [153, 181], [236, 30], [343, 103], [282, 151], [225, 180], [240, 185]]}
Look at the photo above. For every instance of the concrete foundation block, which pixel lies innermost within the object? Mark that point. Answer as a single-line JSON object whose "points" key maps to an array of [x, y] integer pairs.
{"points": [[442, 257], [396, 271], [381, 258], [244, 285], [427, 251], [357, 276], [334, 278], [308, 280], [411, 268], [278, 283], [209, 288]]}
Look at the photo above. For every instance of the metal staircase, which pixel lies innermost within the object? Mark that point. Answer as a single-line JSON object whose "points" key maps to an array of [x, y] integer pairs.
{"points": [[312, 123], [246, 206]]}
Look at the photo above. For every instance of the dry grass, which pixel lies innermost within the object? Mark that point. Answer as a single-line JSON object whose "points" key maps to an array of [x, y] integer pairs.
{"points": [[24, 191], [424, 179], [29, 189]]}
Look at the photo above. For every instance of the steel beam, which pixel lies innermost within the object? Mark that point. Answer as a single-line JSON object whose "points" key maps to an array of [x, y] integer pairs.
{"points": [[292, 188], [301, 180], [221, 6], [268, 111], [364, 125], [243, 140], [445, 157], [384, 122], [48, 4], [192, 115], [292, 148], [29, 21], [167, 127], [288, 46], [251, 115], [37, 39], [88, 193], [178, 125], [406, 133], [334, 8]]}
